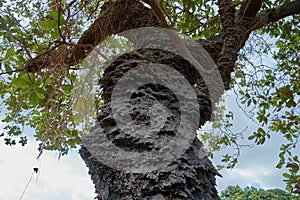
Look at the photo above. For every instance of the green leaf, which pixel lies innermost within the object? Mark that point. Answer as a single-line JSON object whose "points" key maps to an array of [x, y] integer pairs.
{"points": [[251, 137], [260, 130], [36, 112], [55, 35], [33, 98], [286, 175], [268, 71], [48, 25], [281, 155], [7, 66], [291, 103], [54, 14], [67, 88], [22, 81], [40, 94], [10, 52]]}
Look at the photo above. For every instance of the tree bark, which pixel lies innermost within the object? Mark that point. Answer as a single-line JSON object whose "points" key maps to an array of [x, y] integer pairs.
{"points": [[190, 176]]}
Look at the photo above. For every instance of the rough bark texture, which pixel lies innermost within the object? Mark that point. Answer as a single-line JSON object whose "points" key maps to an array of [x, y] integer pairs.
{"points": [[190, 176]]}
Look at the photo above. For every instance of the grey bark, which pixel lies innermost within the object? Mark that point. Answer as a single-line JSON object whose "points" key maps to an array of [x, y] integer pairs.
{"points": [[191, 176]]}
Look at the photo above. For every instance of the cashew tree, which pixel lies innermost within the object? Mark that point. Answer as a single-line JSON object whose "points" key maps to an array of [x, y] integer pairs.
{"points": [[131, 81]]}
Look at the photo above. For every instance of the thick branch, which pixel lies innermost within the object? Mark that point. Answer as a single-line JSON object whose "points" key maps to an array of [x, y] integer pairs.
{"points": [[114, 18], [129, 14], [227, 13], [250, 8], [158, 12], [231, 41], [275, 14], [213, 46]]}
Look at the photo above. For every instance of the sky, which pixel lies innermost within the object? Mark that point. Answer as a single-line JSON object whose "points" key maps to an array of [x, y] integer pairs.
{"points": [[256, 165], [68, 177]]}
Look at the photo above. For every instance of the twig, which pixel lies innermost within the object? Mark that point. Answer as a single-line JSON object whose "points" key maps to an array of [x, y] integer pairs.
{"points": [[13, 71], [58, 23], [21, 41], [26, 186]]}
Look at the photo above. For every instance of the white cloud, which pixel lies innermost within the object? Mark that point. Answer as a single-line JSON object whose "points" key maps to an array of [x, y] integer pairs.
{"points": [[64, 179], [256, 165], [267, 178]]}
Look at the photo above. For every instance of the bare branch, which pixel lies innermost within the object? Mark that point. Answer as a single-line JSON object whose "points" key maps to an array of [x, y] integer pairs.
{"points": [[12, 71], [59, 8], [275, 14], [158, 12], [250, 8]]}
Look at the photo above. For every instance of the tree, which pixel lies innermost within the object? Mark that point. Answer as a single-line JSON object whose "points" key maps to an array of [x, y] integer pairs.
{"points": [[235, 192], [43, 46]]}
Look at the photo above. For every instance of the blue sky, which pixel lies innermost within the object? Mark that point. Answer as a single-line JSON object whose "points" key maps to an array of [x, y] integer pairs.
{"points": [[68, 177], [256, 165]]}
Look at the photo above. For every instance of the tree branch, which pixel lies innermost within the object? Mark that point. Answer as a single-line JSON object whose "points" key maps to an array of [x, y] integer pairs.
{"points": [[115, 17], [227, 13], [231, 40], [249, 9], [272, 15], [21, 41], [158, 12]]}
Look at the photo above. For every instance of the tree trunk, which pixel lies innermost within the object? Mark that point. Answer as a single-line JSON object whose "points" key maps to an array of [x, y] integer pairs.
{"points": [[189, 175], [181, 169], [185, 173]]}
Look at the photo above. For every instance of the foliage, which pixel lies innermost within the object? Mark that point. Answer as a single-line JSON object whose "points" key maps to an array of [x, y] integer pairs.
{"points": [[237, 193], [41, 100], [219, 136], [44, 100], [197, 19], [271, 93]]}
